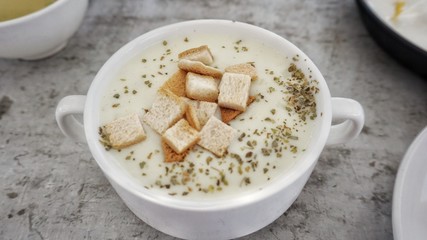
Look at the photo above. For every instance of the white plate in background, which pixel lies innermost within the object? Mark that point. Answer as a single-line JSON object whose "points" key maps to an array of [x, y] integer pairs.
{"points": [[410, 193]]}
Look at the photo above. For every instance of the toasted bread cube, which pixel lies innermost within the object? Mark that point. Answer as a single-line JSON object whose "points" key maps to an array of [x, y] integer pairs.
{"points": [[216, 136], [199, 67], [204, 110], [171, 155], [124, 132], [229, 114], [201, 54], [234, 91], [166, 110], [200, 87], [181, 136], [191, 116], [243, 68], [176, 83]]}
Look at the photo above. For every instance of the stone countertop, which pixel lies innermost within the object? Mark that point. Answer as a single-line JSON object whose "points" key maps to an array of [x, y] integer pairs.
{"points": [[51, 188]]}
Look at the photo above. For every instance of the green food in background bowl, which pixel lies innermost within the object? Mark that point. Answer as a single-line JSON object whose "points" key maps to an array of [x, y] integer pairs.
{"points": [[18, 8], [41, 33]]}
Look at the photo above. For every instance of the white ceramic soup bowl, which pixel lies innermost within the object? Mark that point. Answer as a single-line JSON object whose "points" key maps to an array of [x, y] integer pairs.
{"points": [[41, 33], [209, 219]]}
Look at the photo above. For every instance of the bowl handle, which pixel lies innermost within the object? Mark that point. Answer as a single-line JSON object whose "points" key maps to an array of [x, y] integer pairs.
{"points": [[66, 112], [350, 117]]}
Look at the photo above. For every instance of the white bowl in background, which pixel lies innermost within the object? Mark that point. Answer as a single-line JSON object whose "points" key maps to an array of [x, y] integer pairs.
{"points": [[41, 33]]}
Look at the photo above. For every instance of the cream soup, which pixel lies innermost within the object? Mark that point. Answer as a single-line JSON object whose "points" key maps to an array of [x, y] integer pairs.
{"points": [[271, 135]]}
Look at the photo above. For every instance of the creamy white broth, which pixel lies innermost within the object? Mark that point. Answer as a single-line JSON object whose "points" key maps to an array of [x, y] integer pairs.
{"points": [[411, 23], [209, 176]]}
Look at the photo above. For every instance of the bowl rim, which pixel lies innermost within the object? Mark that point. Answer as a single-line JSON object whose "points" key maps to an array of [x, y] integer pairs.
{"points": [[216, 204], [390, 30], [31, 16]]}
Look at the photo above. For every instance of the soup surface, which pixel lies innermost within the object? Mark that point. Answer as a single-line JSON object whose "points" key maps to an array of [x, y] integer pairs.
{"points": [[271, 135], [10, 9]]}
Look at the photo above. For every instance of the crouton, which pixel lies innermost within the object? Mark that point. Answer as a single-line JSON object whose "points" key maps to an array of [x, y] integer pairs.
{"points": [[191, 116], [171, 155], [124, 132], [166, 110], [216, 136], [229, 114], [181, 136], [204, 110], [176, 83], [199, 87], [199, 67], [201, 54], [234, 91], [243, 68]]}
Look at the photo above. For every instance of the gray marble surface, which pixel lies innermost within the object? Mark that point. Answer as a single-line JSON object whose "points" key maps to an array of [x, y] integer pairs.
{"points": [[51, 188]]}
